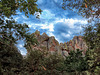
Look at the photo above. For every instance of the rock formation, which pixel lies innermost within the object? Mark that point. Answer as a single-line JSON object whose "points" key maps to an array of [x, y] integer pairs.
{"points": [[52, 45], [76, 43]]}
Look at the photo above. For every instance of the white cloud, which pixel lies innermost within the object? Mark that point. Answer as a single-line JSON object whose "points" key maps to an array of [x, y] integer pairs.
{"points": [[20, 45], [23, 52], [48, 26], [69, 32], [24, 17], [51, 26], [31, 24], [18, 12], [40, 1], [46, 14], [65, 35], [59, 20], [70, 22], [21, 48], [16, 18], [50, 34]]}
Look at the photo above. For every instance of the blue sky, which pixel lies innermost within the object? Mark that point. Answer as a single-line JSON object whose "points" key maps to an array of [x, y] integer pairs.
{"points": [[55, 21]]}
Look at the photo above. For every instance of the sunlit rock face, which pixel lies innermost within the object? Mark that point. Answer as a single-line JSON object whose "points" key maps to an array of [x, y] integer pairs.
{"points": [[76, 43], [51, 45], [80, 43], [46, 43]]}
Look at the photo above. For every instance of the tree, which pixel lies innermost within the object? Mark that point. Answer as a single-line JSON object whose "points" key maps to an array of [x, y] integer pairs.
{"points": [[11, 32], [10, 59], [10, 29], [40, 62], [33, 63], [92, 37], [54, 64], [75, 62], [30, 40], [91, 10], [87, 8], [9, 7]]}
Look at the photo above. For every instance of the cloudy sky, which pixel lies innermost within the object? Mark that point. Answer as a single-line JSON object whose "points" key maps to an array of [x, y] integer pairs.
{"points": [[55, 21]]}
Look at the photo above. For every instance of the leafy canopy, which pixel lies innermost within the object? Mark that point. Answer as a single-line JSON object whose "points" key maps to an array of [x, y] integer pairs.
{"points": [[86, 8], [91, 10], [11, 32], [9, 7], [75, 62]]}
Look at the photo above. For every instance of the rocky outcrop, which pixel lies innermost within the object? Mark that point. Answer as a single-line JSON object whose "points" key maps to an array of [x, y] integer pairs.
{"points": [[76, 43], [52, 45], [46, 43]]}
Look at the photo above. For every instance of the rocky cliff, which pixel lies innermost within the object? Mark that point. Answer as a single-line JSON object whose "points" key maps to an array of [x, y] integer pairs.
{"points": [[52, 45]]}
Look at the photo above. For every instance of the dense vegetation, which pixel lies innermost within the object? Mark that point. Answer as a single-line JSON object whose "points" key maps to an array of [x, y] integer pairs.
{"points": [[89, 9], [37, 62]]}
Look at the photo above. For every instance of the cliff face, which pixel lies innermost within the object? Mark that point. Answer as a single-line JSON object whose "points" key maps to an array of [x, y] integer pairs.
{"points": [[76, 43], [52, 45]]}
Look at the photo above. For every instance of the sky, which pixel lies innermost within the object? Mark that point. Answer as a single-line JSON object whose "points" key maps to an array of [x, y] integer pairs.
{"points": [[54, 21]]}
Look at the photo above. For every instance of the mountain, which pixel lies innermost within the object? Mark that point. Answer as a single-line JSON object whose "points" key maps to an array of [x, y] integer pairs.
{"points": [[52, 45]]}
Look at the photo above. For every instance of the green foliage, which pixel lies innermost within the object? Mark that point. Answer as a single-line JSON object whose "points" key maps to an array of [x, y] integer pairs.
{"points": [[30, 40], [54, 64], [10, 59], [33, 62], [9, 28], [75, 62], [9, 7], [11, 32], [92, 37], [87, 8], [40, 62], [91, 10]]}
